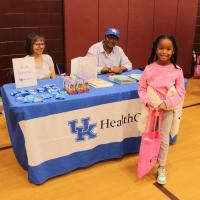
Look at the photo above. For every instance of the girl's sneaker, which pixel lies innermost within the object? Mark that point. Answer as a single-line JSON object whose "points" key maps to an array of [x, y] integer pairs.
{"points": [[162, 176]]}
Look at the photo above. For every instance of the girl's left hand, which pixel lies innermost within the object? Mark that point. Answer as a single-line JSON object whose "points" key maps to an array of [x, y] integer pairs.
{"points": [[162, 106]]}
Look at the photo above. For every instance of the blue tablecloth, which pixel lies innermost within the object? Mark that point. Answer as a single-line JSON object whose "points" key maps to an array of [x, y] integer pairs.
{"points": [[21, 112], [88, 120]]}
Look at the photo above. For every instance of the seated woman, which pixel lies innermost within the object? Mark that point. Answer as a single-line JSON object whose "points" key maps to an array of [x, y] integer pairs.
{"points": [[34, 47]]}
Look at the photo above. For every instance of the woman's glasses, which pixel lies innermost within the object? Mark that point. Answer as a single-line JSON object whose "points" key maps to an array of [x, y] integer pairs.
{"points": [[39, 44]]}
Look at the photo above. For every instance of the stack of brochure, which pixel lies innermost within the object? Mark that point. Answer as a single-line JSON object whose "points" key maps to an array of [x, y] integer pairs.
{"points": [[121, 79], [99, 83], [135, 76]]}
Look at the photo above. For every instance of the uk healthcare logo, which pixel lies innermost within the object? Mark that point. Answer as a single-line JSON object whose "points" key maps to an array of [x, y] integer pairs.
{"points": [[85, 130]]}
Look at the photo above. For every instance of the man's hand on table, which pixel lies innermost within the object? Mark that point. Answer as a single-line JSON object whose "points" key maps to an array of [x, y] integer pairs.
{"points": [[113, 69]]}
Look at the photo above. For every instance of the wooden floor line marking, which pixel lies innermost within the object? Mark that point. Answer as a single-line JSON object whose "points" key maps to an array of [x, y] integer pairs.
{"points": [[166, 192], [196, 104], [4, 148]]}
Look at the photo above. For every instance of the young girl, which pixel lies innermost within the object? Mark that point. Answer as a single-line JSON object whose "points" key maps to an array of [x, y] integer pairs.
{"points": [[161, 74]]}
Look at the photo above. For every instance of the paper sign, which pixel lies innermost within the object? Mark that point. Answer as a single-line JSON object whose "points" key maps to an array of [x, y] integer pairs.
{"points": [[24, 72], [84, 66]]}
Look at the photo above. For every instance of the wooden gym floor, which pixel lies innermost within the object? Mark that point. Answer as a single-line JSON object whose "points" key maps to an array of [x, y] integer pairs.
{"points": [[115, 179]]}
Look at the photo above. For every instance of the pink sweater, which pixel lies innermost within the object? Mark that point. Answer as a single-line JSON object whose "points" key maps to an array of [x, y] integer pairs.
{"points": [[161, 78]]}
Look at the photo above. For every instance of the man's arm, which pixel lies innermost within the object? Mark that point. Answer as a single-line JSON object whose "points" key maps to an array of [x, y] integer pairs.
{"points": [[125, 63]]}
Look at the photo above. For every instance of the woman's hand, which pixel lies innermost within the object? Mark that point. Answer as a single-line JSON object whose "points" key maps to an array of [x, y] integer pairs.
{"points": [[52, 73]]}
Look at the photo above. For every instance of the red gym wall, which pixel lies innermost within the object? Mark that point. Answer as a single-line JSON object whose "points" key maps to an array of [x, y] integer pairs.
{"points": [[18, 18], [72, 26], [139, 22]]}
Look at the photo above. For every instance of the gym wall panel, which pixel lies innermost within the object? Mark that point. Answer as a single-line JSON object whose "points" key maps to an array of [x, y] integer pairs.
{"points": [[165, 17], [5, 34], [140, 31], [185, 31], [81, 27]]}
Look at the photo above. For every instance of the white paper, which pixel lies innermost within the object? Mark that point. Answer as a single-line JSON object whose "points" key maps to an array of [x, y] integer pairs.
{"points": [[135, 76], [99, 83], [24, 72], [85, 66]]}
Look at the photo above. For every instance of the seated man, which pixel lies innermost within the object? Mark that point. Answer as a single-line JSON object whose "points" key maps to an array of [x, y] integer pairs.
{"points": [[111, 58]]}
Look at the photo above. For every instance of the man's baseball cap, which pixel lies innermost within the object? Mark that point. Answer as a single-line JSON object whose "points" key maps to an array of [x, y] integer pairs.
{"points": [[112, 31]]}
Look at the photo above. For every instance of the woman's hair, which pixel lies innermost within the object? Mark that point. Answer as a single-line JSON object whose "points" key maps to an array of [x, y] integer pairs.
{"points": [[31, 38], [153, 55]]}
